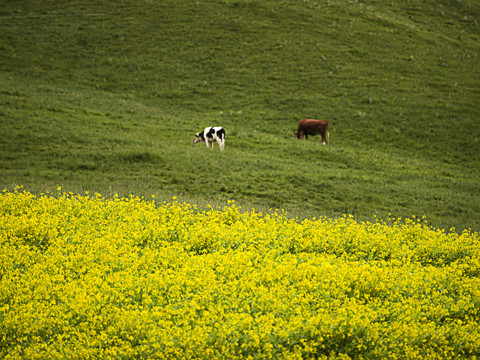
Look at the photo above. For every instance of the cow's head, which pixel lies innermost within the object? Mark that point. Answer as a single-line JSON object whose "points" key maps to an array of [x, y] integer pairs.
{"points": [[198, 138]]}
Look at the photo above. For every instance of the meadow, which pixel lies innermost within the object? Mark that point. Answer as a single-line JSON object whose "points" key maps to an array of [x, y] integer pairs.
{"points": [[367, 248], [106, 97], [84, 277]]}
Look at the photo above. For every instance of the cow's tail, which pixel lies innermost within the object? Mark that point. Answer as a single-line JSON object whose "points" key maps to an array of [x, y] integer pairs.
{"points": [[328, 134]]}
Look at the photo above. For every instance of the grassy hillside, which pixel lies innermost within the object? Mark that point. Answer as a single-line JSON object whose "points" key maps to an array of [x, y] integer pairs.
{"points": [[107, 98]]}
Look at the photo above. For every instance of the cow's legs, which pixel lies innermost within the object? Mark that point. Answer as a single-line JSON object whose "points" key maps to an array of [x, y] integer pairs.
{"points": [[221, 144]]}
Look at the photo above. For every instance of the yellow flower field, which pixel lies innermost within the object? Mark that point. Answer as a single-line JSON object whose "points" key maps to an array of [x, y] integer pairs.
{"points": [[84, 277]]}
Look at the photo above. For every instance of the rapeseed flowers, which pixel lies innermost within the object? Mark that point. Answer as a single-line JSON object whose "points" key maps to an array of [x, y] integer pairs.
{"points": [[82, 276]]}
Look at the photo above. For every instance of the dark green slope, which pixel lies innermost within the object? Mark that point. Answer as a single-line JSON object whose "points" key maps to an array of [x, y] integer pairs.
{"points": [[107, 96]]}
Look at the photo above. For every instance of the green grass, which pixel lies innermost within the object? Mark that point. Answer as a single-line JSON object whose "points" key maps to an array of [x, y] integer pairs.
{"points": [[107, 97]]}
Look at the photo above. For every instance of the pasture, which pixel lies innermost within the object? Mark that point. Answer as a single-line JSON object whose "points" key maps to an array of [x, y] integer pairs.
{"points": [[107, 98]]}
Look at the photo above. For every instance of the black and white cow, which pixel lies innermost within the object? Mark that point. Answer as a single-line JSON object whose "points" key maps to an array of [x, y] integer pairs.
{"points": [[211, 134]]}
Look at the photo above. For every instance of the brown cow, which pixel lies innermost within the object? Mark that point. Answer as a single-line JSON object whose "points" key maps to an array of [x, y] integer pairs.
{"points": [[313, 127]]}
